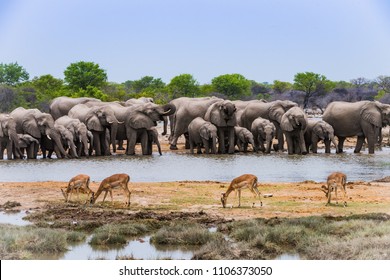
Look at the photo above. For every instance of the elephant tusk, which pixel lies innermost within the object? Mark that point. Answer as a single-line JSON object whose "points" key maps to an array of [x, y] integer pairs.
{"points": [[49, 137], [166, 112]]}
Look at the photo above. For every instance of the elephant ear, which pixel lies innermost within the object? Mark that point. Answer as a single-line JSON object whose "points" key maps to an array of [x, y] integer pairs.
{"points": [[317, 129], [372, 113], [93, 123], [30, 126], [276, 112], [138, 120], [285, 123]]}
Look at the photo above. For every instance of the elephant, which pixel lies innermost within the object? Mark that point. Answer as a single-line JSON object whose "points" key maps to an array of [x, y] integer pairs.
{"points": [[60, 106], [48, 144], [27, 142], [363, 119], [317, 131], [9, 138], [223, 115], [187, 109], [139, 120], [272, 111], [136, 121], [293, 125], [241, 105], [38, 125], [243, 137], [79, 131], [202, 133], [153, 139], [98, 119], [263, 132]]}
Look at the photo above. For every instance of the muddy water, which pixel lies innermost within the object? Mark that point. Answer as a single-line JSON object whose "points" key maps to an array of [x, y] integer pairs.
{"points": [[14, 218], [183, 166]]}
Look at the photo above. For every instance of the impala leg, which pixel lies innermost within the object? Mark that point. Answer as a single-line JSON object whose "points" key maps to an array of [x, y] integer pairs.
{"points": [[239, 198], [105, 195]]}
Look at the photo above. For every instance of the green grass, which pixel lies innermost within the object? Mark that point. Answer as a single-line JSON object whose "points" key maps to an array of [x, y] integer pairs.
{"points": [[26, 242]]}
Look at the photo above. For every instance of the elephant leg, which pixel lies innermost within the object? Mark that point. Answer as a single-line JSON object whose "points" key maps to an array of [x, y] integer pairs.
{"points": [[327, 146], [341, 144], [191, 146], [301, 143], [9, 150], [96, 144], [206, 145], [187, 144], [359, 144], [372, 139], [231, 139], [221, 141], [280, 137], [120, 145], [290, 144], [145, 143], [131, 141], [2, 149]]}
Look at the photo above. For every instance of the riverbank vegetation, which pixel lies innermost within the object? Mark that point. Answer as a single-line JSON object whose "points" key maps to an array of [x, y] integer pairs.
{"points": [[308, 89]]}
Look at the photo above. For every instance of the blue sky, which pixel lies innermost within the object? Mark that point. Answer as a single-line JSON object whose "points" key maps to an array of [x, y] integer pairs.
{"points": [[264, 40]]}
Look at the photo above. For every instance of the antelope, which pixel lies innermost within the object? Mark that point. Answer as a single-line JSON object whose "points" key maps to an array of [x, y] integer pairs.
{"points": [[113, 182], [334, 181], [242, 182], [78, 182]]}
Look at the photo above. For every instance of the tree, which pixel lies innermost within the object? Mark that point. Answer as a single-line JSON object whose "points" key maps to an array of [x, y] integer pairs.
{"points": [[147, 83], [281, 87], [311, 84], [384, 83], [12, 74], [183, 85], [360, 82], [85, 75], [234, 86]]}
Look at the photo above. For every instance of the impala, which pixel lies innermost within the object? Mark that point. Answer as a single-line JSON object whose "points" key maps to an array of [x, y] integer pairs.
{"points": [[79, 182], [113, 182], [242, 182], [334, 181]]}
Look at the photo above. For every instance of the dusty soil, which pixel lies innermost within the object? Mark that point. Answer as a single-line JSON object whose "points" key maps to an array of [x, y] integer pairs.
{"points": [[194, 200]]}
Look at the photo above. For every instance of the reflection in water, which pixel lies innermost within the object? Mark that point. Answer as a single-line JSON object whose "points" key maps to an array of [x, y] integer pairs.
{"points": [[137, 249], [183, 166]]}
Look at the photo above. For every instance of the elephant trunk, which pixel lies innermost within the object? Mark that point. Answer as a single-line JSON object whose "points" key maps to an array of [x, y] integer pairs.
{"points": [[167, 110], [214, 144], [268, 144], [114, 131], [84, 143], [73, 150], [13, 136], [55, 136]]}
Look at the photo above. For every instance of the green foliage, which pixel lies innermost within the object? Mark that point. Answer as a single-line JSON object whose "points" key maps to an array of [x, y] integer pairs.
{"points": [[312, 83], [146, 84], [380, 95], [234, 86], [12, 74], [281, 87], [183, 85], [384, 83], [83, 75], [91, 91], [115, 92]]}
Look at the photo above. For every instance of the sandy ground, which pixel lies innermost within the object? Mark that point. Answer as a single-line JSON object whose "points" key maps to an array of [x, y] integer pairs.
{"points": [[288, 199]]}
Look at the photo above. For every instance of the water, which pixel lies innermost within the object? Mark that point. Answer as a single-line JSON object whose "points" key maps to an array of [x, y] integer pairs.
{"points": [[14, 218], [140, 248], [273, 167]]}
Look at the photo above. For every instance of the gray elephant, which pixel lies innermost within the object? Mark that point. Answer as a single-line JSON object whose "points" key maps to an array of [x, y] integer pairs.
{"points": [[223, 115], [241, 105], [243, 137], [317, 131], [263, 132], [27, 142], [363, 119], [79, 132], [138, 120], [293, 125], [60, 106], [9, 138], [98, 119], [202, 133], [153, 139], [187, 109], [272, 111], [38, 125], [47, 144]]}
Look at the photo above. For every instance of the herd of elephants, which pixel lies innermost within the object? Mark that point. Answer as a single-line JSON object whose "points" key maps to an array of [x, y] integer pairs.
{"points": [[77, 127]]}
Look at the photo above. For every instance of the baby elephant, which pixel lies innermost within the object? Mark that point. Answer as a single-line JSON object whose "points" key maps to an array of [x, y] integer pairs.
{"points": [[202, 133], [263, 133], [317, 131], [334, 181], [243, 137]]}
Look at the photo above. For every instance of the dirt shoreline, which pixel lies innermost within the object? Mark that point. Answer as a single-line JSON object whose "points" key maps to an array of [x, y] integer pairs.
{"points": [[288, 199]]}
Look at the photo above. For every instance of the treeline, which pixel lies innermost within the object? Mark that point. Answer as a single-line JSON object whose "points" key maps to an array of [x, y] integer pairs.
{"points": [[309, 90]]}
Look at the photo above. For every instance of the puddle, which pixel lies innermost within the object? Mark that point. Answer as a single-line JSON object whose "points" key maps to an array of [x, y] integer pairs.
{"points": [[140, 248], [288, 257], [14, 218]]}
